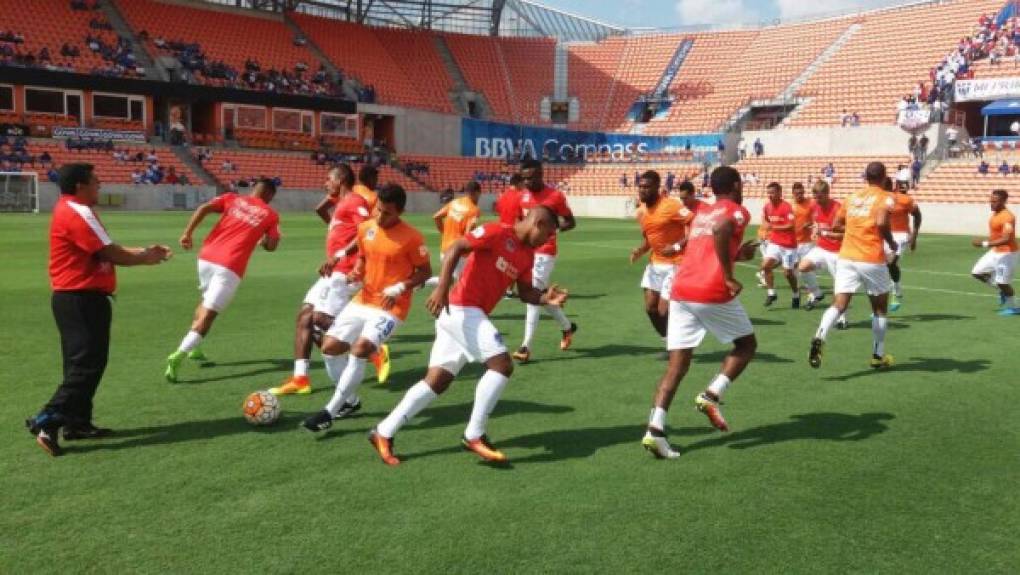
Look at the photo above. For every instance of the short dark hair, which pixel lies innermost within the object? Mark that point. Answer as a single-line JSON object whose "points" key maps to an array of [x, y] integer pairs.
{"points": [[874, 173], [686, 186], [473, 187], [798, 186], [1002, 194], [887, 184], [652, 175], [267, 183], [393, 194], [724, 180], [345, 172], [774, 186], [516, 179], [530, 164], [547, 213], [70, 175], [368, 175]]}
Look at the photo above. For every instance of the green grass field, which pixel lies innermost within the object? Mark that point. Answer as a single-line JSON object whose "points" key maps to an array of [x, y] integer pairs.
{"points": [[837, 470]]}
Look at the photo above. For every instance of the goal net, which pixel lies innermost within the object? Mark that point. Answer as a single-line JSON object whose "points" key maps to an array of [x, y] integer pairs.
{"points": [[19, 192]]}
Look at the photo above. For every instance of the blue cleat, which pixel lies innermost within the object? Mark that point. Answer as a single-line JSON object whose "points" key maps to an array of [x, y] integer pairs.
{"points": [[1002, 300], [1009, 311]]}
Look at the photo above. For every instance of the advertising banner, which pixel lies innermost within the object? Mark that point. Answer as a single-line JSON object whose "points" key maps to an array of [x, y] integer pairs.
{"points": [[987, 89], [482, 139], [98, 134]]}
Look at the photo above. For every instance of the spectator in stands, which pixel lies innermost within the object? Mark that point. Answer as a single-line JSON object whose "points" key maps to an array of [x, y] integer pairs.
{"points": [[671, 177], [976, 148], [136, 176], [912, 145], [719, 146], [855, 119], [915, 172], [623, 181], [759, 148], [922, 145], [844, 118], [177, 130], [829, 173], [228, 166], [171, 176], [52, 175], [151, 156], [1004, 168], [45, 158], [300, 40], [742, 148]]}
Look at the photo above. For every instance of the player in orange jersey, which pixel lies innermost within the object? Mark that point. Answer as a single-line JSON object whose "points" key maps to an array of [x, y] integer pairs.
{"points": [[996, 266], [455, 220], [685, 193], [664, 226], [803, 226], [864, 217], [905, 235], [392, 261]]}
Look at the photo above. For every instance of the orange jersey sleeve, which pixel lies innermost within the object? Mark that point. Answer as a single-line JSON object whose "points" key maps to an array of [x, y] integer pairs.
{"points": [[899, 217], [460, 216], [1001, 225]]}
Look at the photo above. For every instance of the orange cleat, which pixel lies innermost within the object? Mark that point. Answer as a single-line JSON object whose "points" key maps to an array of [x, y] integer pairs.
{"points": [[295, 385], [710, 407], [568, 337], [482, 448], [384, 447], [381, 361]]}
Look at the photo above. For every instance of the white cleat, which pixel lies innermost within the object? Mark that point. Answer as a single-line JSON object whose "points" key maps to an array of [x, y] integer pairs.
{"points": [[659, 446]]}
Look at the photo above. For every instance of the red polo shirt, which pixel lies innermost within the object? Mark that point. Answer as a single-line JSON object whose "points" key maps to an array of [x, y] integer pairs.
{"points": [[76, 235]]}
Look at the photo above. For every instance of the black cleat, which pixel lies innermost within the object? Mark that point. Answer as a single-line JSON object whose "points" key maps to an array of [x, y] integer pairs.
{"points": [[769, 300], [87, 431], [348, 409], [319, 421], [815, 357], [45, 437], [795, 304], [813, 301], [842, 324]]}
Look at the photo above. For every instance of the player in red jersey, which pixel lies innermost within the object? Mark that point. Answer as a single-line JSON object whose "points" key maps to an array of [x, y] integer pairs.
{"points": [[497, 255], [704, 299], [827, 240], [508, 204], [246, 222], [782, 248], [685, 193], [537, 193]]}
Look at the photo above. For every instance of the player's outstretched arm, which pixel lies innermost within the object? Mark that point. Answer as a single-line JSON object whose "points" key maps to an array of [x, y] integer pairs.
{"points": [[530, 294], [121, 256], [325, 208], [196, 218], [567, 223], [916, 214], [270, 243], [440, 298]]}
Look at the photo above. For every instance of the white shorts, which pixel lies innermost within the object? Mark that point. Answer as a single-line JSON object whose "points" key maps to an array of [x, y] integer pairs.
{"points": [[822, 259], [804, 249], [541, 270], [656, 276], [359, 321], [787, 257], [998, 265], [851, 275], [464, 335], [902, 238], [331, 295], [763, 247], [217, 284], [689, 321]]}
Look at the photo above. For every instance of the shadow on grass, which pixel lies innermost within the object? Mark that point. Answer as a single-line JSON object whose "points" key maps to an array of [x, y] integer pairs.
{"points": [[759, 357], [562, 444], [807, 426], [923, 364]]}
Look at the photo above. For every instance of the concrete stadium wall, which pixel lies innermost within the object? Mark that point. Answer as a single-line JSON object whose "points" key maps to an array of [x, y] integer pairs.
{"points": [[115, 197], [837, 141], [292, 200], [426, 133]]}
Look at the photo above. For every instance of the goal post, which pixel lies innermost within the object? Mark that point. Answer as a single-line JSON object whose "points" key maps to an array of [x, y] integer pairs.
{"points": [[19, 192]]}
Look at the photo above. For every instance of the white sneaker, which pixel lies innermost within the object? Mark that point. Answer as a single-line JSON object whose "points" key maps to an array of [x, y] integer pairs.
{"points": [[761, 279], [659, 446]]}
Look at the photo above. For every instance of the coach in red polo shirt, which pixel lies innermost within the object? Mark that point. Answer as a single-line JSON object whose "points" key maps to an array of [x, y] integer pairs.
{"points": [[82, 260]]}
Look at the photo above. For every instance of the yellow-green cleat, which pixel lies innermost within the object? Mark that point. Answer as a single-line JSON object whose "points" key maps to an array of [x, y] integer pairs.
{"points": [[197, 355], [173, 363], [879, 362]]}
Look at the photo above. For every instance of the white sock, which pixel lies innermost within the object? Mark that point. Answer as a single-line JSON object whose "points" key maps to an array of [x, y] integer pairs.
{"points": [[416, 399], [335, 365], [530, 323], [557, 313], [878, 327], [772, 292], [810, 281], [300, 367], [719, 385], [897, 290], [828, 318], [350, 379], [842, 317], [190, 341], [657, 419], [432, 282], [487, 393]]}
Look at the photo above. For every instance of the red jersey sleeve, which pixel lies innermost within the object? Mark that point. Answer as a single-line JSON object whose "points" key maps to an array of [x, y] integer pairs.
{"points": [[484, 237], [274, 227], [87, 233], [221, 203], [558, 203]]}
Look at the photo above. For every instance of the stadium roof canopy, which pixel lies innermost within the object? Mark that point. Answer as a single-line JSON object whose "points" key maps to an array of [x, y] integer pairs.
{"points": [[487, 17]]}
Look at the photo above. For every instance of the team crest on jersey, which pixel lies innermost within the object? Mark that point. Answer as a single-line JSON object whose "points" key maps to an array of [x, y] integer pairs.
{"points": [[506, 267], [370, 234], [510, 245], [362, 211], [478, 232], [738, 217]]}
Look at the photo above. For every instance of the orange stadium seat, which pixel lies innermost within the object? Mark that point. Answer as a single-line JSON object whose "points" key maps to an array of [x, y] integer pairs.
{"points": [[108, 170], [296, 170], [786, 171], [50, 24]]}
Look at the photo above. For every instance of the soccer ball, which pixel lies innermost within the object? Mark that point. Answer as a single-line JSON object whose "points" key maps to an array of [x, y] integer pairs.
{"points": [[261, 408]]}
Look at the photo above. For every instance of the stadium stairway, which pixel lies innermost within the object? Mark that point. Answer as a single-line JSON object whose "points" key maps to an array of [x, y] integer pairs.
{"points": [[349, 88], [460, 85], [184, 155], [153, 71]]}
